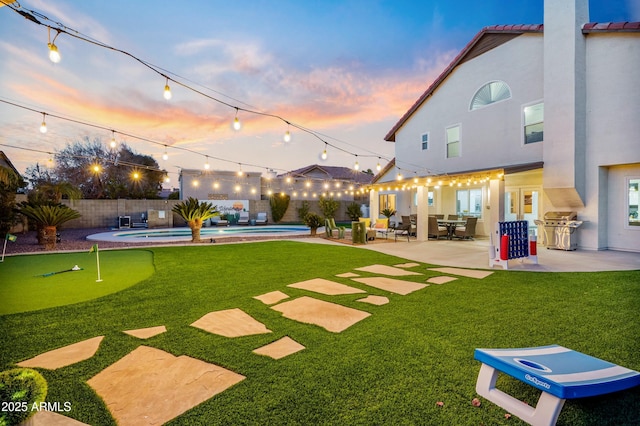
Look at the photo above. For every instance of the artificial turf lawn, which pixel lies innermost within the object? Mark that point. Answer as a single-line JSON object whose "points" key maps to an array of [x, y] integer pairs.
{"points": [[391, 368], [25, 283]]}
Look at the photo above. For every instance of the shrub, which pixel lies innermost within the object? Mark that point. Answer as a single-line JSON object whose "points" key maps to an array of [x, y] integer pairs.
{"points": [[313, 221], [279, 205], [328, 207], [353, 211], [20, 388], [303, 211]]}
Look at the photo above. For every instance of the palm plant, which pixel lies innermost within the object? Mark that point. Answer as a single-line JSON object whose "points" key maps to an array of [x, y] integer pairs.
{"points": [[388, 212], [48, 217], [195, 213]]}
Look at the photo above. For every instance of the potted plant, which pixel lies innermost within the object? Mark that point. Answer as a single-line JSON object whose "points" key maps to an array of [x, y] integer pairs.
{"points": [[387, 213], [313, 221], [353, 211]]}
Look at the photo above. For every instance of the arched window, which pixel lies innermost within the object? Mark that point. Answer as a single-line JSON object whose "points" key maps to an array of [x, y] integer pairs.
{"points": [[494, 91]]}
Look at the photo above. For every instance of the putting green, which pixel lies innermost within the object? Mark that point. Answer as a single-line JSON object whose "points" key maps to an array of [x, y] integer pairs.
{"points": [[23, 287]]}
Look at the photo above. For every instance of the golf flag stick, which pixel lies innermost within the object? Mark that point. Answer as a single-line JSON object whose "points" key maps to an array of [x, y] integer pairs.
{"points": [[8, 237], [95, 248]]}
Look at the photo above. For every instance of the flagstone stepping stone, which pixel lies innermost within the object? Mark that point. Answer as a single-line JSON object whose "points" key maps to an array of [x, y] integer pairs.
{"points": [[387, 270], [149, 386], [469, 273], [64, 356], [49, 418], [347, 275], [272, 297], [145, 333], [441, 280], [330, 316], [391, 285], [375, 300], [280, 348], [407, 265], [230, 323], [322, 286]]}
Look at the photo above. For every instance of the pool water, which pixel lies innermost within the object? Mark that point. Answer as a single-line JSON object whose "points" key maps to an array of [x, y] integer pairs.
{"points": [[184, 234]]}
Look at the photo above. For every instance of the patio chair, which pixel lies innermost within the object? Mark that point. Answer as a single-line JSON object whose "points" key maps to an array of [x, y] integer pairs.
{"points": [[244, 218], [261, 219], [382, 227], [452, 217], [330, 226], [439, 216], [404, 228], [366, 220], [468, 231], [218, 221], [414, 224], [436, 231]]}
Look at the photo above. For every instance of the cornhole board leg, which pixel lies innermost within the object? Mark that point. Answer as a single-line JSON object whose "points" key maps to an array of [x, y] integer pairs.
{"points": [[545, 413]]}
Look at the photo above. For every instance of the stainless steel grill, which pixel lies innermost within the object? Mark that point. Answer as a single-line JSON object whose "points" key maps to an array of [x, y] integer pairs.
{"points": [[559, 230]]}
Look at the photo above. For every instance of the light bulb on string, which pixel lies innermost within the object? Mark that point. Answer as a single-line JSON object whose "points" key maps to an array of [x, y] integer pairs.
{"points": [[287, 134], [167, 90], [356, 165], [113, 142], [43, 126], [207, 166], [240, 170], [54, 55], [165, 156], [236, 122], [324, 153], [378, 166]]}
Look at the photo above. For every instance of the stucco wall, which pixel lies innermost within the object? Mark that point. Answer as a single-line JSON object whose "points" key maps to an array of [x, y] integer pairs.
{"points": [[491, 136]]}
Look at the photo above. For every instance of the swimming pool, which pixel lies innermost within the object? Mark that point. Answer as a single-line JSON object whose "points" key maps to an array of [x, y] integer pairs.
{"points": [[167, 235]]}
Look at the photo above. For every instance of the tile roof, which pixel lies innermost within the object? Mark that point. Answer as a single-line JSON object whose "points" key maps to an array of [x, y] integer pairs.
{"points": [[475, 47], [333, 172], [595, 27]]}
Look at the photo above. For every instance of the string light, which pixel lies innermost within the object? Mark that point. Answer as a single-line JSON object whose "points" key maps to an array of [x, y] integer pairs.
{"points": [[378, 166], [356, 165], [76, 34], [207, 166], [324, 153], [240, 170], [167, 90], [54, 55], [113, 142], [236, 122], [43, 126], [165, 156], [287, 134]]}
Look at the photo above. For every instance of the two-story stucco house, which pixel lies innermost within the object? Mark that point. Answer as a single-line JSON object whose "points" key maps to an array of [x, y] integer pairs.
{"points": [[528, 119]]}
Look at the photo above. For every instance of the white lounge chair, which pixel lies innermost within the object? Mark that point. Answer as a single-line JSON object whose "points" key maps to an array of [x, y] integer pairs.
{"points": [[244, 218], [261, 219]]}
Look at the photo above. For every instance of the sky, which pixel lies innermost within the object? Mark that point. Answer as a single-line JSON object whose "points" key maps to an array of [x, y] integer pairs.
{"points": [[346, 70]]}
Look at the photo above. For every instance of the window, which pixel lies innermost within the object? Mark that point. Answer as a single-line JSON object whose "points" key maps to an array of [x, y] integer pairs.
{"points": [[469, 202], [387, 201], [429, 199], [534, 123], [633, 202], [425, 141], [490, 93], [453, 142]]}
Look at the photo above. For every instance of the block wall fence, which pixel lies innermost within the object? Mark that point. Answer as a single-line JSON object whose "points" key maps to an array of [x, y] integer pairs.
{"points": [[105, 213]]}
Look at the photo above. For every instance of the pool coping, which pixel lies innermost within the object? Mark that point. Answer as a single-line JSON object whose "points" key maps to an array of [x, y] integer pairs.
{"points": [[113, 235]]}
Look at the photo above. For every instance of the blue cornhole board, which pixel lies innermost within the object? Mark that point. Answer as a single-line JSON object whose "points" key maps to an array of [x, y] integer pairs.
{"points": [[560, 374]]}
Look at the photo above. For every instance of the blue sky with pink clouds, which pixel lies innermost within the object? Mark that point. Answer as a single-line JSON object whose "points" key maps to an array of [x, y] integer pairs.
{"points": [[345, 69]]}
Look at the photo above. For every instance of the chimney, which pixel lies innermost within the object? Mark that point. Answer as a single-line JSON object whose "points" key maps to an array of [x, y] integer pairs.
{"points": [[565, 101]]}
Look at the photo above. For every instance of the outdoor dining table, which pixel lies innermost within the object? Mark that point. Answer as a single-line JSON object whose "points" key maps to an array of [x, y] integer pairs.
{"points": [[451, 225]]}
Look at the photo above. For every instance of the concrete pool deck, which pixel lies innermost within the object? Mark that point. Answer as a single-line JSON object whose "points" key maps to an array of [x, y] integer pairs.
{"points": [[475, 254]]}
